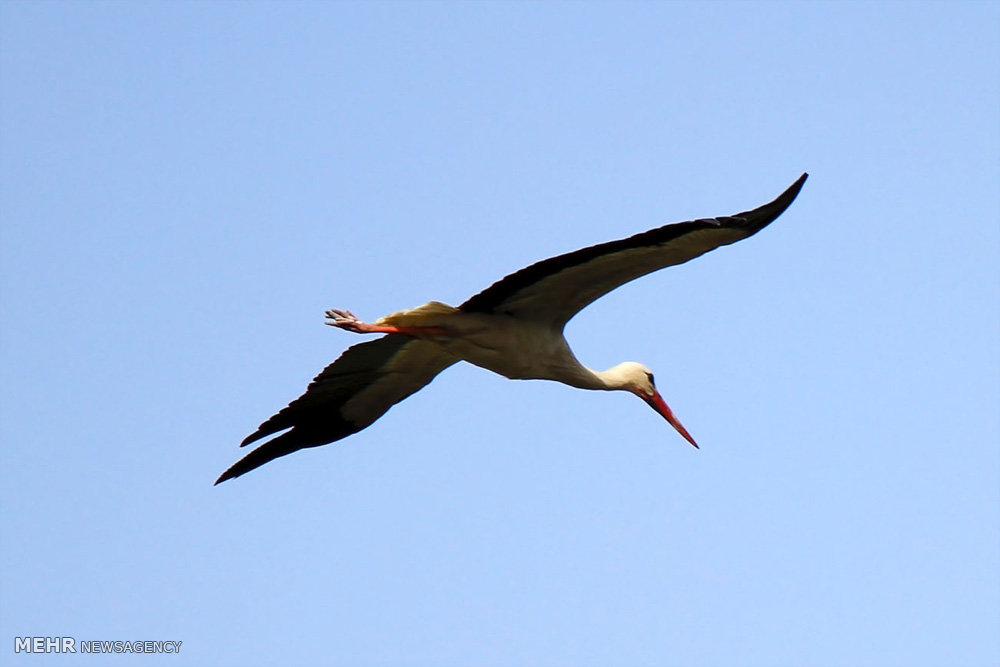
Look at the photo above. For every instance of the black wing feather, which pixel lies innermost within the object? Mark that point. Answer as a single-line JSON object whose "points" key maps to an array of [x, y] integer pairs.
{"points": [[502, 295], [316, 418]]}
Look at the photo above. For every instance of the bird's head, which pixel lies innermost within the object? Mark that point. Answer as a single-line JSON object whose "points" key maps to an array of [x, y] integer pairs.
{"points": [[638, 379]]}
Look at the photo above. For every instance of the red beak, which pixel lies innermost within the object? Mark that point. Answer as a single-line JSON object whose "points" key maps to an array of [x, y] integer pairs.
{"points": [[657, 403]]}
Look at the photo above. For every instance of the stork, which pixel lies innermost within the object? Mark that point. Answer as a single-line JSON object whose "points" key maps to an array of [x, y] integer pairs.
{"points": [[513, 327]]}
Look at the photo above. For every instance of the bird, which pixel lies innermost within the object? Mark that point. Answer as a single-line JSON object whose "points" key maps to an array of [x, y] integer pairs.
{"points": [[514, 328]]}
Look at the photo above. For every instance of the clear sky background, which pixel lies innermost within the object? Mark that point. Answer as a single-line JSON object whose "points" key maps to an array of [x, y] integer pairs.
{"points": [[187, 186]]}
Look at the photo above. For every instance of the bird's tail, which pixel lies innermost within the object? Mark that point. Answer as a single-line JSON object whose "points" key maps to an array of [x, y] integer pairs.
{"points": [[433, 314]]}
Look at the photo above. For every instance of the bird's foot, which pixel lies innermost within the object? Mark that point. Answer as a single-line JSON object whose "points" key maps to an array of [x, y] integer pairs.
{"points": [[346, 320]]}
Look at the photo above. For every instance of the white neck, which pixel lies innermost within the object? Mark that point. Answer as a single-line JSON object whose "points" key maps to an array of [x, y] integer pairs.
{"points": [[587, 378]]}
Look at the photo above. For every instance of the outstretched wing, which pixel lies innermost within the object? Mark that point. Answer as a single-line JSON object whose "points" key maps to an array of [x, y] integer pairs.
{"points": [[351, 393], [554, 290]]}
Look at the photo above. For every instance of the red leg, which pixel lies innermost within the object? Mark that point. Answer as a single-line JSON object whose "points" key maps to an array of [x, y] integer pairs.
{"points": [[345, 319]]}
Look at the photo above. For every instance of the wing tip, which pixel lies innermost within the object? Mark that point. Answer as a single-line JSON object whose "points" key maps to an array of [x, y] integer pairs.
{"points": [[797, 185], [253, 437], [266, 453], [762, 216], [785, 199], [304, 435], [235, 470], [284, 444]]}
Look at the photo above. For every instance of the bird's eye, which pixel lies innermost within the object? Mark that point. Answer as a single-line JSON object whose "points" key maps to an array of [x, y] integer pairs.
{"points": [[651, 381]]}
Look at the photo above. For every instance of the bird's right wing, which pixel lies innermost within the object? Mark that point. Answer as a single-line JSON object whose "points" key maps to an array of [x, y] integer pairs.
{"points": [[351, 393], [552, 291]]}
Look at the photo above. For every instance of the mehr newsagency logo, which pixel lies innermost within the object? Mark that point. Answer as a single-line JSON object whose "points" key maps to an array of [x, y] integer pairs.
{"points": [[71, 645]]}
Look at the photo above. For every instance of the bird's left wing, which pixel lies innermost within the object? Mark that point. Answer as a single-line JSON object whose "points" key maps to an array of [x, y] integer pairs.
{"points": [[351, 393], [552, 291]]}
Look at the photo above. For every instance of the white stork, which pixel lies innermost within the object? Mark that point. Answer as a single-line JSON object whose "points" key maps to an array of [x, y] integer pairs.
{"points": [[514, 328]]}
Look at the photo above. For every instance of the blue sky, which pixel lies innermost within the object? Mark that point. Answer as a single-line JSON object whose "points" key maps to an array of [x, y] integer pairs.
{"points": [[187, 186]]}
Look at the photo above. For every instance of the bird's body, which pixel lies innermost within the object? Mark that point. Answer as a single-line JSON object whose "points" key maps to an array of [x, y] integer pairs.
{"points": [[513, 348], [513, 328]]}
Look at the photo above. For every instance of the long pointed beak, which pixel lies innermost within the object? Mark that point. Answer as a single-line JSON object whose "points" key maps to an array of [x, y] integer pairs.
{"points": [[657, 403]]}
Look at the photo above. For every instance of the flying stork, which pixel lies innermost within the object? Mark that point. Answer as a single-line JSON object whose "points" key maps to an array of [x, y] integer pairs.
{"points": [[514, 328]]}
